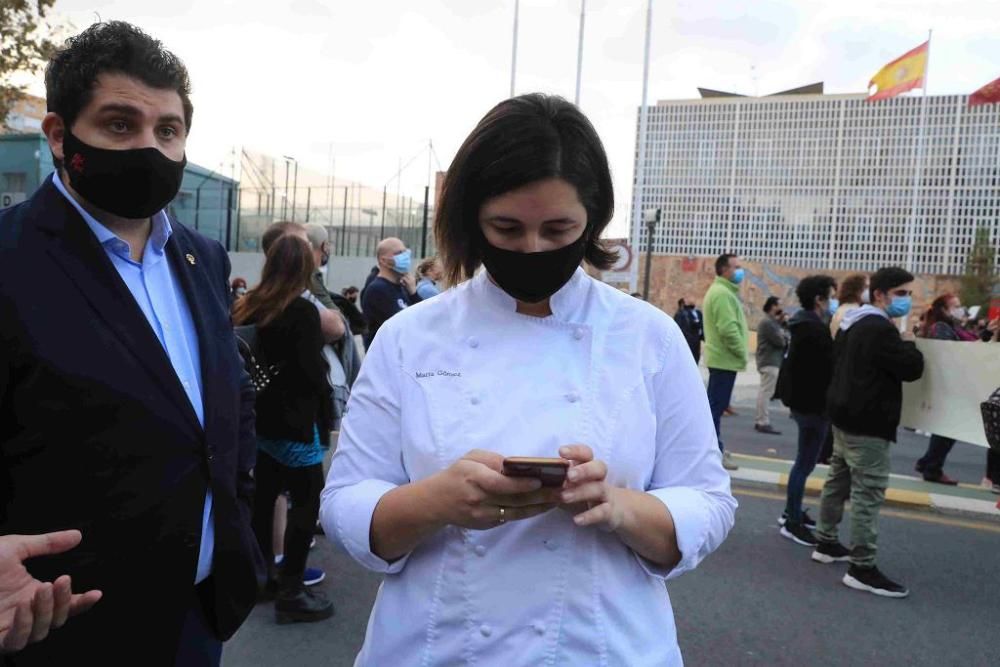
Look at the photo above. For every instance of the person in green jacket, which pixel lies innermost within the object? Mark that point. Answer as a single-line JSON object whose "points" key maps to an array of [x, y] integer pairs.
{"points": [[726, 339]]}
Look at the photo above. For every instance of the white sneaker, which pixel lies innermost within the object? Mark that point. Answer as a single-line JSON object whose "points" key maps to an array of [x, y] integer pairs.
{"points": [[727, 462]]}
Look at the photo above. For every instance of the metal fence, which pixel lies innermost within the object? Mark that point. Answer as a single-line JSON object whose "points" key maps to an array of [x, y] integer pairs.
{"points": [[356, 217]]}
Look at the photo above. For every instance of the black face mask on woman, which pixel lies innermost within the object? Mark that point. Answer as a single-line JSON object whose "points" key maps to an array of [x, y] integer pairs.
{"points": [[133, 183], [533, 277]]}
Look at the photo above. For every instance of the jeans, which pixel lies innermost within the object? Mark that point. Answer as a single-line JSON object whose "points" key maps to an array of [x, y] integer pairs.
{"points": [[304, 486], [768, 382], [812, 433], [720, 392], [931, 464], [859, 468]]}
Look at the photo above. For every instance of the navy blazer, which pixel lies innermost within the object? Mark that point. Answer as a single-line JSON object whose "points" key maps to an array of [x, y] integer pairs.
{"points": [[96, 433]]}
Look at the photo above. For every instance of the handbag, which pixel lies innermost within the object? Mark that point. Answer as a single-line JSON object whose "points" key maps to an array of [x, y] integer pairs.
{"points": [[991, 419], [261, 373]]}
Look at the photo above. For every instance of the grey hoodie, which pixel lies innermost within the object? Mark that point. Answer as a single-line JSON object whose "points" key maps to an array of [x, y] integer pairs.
{"points": [[852, 317]]}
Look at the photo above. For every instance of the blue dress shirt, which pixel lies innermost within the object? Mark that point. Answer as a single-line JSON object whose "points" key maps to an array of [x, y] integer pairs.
{"points": [[161, 299]]}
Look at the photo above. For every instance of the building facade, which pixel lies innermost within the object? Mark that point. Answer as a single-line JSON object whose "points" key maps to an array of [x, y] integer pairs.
{"points": [[823, 182]]}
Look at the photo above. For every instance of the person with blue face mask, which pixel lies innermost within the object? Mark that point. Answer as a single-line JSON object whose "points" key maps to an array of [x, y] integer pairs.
{"points": [[393, 289], [802, 386], [726, 340], [871, 363]]}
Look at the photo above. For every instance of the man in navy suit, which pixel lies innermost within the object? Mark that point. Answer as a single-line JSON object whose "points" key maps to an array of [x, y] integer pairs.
{"points": [[125, 411]]}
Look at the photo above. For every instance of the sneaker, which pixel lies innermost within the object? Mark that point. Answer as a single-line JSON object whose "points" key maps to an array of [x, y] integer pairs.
{"points": [[766, 428], [798, 533], [729, 412], [727, 462], [313, 576], [830, 552], [871, 580], [804, 518], [996, 489]]}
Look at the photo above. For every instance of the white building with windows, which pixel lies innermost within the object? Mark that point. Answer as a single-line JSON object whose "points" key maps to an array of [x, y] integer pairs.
{"points": [[823, 181]]}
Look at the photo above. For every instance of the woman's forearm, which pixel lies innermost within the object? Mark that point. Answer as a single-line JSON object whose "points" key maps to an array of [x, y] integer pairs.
{"points": [[403, 518], [647, 528]]}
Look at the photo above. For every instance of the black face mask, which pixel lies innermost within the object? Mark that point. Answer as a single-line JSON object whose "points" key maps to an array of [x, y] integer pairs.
{"points": [[533, 277], [133, 183], [689, 307]]}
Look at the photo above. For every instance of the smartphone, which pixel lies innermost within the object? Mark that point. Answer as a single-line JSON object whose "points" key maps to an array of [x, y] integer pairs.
{"points": [[552, 472]]}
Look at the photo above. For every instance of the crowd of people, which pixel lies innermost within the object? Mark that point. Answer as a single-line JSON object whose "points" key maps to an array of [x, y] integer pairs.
{"points": [[186, 426], [838, 363]]}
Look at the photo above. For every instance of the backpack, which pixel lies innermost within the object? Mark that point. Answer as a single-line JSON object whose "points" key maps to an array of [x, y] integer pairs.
{"points": [[248, 343], [991, 419]]}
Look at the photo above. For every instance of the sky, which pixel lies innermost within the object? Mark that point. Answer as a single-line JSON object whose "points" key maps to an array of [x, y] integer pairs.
{"points": [[376, 80]]}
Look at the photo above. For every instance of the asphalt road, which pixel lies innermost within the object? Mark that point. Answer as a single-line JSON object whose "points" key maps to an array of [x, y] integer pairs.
{"points": [[966, 462], [759, 600]]}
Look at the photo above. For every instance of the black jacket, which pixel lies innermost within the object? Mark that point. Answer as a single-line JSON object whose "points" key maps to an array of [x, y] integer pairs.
{"points": [[808, 367], [97, 433], [871, 362], [692, 324], [299, 396]]}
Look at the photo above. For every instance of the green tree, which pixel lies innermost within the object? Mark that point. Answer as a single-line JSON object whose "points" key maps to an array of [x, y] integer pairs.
{"points": [[980, 271], [25, 45]]}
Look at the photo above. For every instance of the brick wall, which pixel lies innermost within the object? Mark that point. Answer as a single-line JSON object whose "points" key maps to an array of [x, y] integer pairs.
{"points": [[674, 277]]}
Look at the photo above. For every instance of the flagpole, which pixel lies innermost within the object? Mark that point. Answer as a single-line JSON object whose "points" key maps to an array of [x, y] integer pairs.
{"points": [[640, 167], [513, 56], [579, 52], [918, 168]]}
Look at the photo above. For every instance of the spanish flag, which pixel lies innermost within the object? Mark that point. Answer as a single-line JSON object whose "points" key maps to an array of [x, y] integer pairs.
{"points": [[988, 94], [902, 74]]}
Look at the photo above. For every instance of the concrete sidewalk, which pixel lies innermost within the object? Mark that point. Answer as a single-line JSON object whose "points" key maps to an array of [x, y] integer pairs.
{"points": [[767, 459]]}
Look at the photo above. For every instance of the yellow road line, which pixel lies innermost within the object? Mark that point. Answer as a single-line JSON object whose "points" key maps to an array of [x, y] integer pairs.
{"points": [[913, 516]]}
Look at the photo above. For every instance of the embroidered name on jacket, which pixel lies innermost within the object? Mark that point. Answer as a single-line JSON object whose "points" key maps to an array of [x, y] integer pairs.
{"points": [[430, 374]]}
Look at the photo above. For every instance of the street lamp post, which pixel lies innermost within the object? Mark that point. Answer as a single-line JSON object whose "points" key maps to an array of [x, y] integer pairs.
{"points": [[651, 217], [295, 184]]}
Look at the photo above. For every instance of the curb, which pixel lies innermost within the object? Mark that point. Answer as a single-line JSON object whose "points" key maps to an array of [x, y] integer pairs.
{"points": [[895, 497]]}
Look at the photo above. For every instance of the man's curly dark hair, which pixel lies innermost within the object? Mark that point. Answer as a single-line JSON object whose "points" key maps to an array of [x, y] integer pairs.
{"points": [[114, 47]]}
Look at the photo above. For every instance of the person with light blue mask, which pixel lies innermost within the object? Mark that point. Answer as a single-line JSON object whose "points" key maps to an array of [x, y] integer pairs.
{"points": [[393, 289], [871, 363], [726, 339]]}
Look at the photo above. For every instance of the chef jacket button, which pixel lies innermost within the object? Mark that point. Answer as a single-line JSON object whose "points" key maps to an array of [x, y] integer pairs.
{"points": [[480, 550], [572, 397], [538, 627], [551, 545], [474, 400], [578, 334], [473, 342], [485, 630]]}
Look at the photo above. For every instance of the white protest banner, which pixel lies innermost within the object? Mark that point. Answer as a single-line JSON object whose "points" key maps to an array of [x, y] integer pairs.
{"points": [[957, 378]]}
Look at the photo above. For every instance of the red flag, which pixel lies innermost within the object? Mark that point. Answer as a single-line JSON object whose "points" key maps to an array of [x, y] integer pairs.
{"points": [[988, 94]]}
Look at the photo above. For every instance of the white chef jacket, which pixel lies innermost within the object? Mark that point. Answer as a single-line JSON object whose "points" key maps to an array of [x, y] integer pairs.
{"points": [[464, 371]]}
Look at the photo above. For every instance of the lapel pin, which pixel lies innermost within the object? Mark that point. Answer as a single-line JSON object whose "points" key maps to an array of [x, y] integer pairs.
{"points": [[190, 259]]}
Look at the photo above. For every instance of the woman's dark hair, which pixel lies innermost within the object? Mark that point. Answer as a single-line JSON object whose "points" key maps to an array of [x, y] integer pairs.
{"points": [[521, 141], [771, 302], [114, 47], [938, 312], [852, 288], [288, 268], [812, 288]]}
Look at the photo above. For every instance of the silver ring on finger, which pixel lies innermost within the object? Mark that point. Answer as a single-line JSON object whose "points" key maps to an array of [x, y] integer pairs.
{"points": [[503, 515]]}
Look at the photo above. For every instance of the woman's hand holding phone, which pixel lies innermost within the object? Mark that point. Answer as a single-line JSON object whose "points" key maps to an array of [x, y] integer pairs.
{"points": [[474, 493], [586, 494]]}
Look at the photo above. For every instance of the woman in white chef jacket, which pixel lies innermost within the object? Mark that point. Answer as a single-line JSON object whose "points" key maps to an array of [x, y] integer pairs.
{"points": [[531, 357]]}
